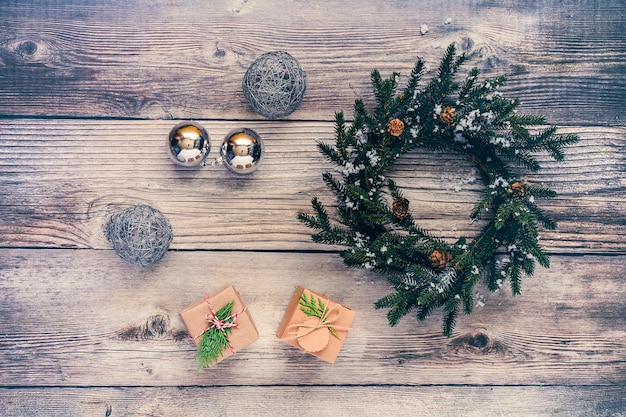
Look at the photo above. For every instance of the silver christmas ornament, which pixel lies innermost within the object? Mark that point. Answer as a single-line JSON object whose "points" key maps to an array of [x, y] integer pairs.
{"points": [[241, 151], [188, 144]]}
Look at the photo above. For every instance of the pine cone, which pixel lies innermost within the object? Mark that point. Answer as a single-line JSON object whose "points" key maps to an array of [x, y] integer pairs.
{"points": [[439, 259], [395, 127], [518, 189], [400, 207], [448, 115]]}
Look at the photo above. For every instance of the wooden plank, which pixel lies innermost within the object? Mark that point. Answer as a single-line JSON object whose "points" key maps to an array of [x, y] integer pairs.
{"points": [[86, 318], [317, 401], [61, 181], [84, 333], [171, 60]]}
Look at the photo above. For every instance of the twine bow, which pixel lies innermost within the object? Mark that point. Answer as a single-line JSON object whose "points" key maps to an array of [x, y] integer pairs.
{"points": [[326, 320], [221, 325]]}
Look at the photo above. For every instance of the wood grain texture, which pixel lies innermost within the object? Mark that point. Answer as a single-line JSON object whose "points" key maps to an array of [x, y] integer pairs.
{"points": [[62, 180], [317, 401], [172, 59], [89, 91], [86, 318]]}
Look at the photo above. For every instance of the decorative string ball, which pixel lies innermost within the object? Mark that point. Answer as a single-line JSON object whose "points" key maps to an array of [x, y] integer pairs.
{"points": [[274, 85], [140, 234]]}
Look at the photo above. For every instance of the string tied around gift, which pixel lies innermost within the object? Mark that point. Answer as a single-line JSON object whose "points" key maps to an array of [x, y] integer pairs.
{"points": [[221, 325], [325, 320]]}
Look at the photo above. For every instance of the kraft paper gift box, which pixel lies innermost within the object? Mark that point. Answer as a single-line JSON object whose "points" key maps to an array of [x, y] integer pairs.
{"points": [[194, 317], [321, 338]]}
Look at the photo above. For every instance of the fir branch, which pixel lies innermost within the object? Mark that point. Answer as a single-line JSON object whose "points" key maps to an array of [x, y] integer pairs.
{"points": [[384, 91], [389, 301], [540, 255], [328, 233], [468, 303], [525, 119], [398, 304], [331, 153], [321, 220], [556, 143], [488, 198], [335, 185], [214, 341], [451, 313], [331, 237], [467, 87], [408, 95], [341, 137], [541, 192], [515, 278], [450, 62], [546, 221]]}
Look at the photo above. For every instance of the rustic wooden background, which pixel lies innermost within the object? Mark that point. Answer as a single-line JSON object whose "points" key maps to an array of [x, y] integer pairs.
{"points": [[90, 89]]}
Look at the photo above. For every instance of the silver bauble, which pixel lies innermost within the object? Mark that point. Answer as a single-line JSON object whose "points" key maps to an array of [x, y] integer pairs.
{"points": [[188, 144], [241, 151]]}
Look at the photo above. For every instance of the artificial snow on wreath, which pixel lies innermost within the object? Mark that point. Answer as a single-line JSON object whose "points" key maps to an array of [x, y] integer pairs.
{"points": [[274, 84], [140, 234], [467, 117]]}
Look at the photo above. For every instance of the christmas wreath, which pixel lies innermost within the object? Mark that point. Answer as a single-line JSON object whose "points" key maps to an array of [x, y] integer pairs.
{"points": [[467, 117]]}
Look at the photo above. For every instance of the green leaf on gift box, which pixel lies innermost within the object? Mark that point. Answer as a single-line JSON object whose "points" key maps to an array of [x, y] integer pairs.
{"points": [[214, 340], [313, 308]]}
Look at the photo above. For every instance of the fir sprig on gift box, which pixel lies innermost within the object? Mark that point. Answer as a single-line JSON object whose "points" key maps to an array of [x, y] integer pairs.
{"points": [[468, 117], [214, 340], [313, 308]]}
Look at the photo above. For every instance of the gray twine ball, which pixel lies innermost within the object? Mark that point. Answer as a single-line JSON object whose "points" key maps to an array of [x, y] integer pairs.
{"points": [[274, 85], [140, 234]]}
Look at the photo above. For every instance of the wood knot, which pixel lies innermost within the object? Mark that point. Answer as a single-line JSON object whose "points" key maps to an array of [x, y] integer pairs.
{"points": [[466, 43], [157, 326], [27, 48], [219, 53], [404, 357], [179, 335], [154, 327], [479, 341]]}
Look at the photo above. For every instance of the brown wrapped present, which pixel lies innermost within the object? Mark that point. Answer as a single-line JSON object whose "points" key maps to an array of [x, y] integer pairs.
{"points": [[315, 324], [201, 318]]}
